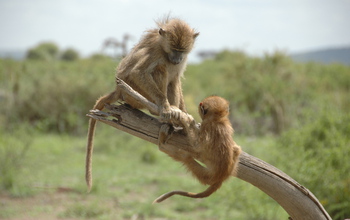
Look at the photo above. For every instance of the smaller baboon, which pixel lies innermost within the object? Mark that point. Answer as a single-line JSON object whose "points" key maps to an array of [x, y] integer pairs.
{"points": [[212, 145]]}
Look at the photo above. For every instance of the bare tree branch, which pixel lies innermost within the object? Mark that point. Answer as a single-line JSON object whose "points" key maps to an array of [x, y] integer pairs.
{"points": [[296, 200]]}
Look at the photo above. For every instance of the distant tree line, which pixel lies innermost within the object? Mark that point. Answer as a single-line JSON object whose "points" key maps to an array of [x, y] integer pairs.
{"points": [[50, 51]]}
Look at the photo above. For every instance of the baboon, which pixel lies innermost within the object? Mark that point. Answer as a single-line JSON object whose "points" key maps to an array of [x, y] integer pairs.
{"points": [[153, 68], [212, 145]]}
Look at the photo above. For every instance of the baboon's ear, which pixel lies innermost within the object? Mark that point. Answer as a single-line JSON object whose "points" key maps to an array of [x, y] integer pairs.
{"points": [[195, 35], [162, 32], [204, 111]]}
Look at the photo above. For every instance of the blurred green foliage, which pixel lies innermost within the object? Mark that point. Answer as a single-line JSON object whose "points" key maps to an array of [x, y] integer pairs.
{"points": [[52, 96], [43, 51], [49, 51], [302, 107], [70, 55], [318, 155], [12, 153], [268, 95]]}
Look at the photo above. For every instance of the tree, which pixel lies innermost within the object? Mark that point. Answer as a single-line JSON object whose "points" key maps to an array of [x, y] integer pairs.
{"points": [[70, 55], [43, 51]]}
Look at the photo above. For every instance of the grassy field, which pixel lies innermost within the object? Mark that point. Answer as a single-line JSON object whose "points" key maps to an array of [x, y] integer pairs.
{"points": [[293, 116], [128, 175]]}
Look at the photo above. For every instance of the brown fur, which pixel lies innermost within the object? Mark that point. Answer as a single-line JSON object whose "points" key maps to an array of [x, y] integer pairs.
{"points": [[212, 145], [153, 68]]}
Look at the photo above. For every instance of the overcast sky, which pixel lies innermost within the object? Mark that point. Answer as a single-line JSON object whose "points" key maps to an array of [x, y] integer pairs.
{"points": [[255, 26]]}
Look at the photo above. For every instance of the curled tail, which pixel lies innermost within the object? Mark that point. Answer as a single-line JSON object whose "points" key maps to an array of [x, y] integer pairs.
{"points": [[211, 189], [100, 103]]}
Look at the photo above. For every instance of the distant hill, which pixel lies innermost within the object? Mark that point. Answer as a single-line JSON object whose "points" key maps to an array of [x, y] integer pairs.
{"points": [[331, 55], [13, 54]]}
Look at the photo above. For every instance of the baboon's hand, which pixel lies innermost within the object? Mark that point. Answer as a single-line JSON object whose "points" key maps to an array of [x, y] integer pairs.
{"points": [[180, 117], [165, 113], [172, 116], [175, 113]]}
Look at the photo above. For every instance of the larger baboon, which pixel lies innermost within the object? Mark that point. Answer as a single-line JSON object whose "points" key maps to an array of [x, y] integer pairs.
{"points": [[153, 68]]}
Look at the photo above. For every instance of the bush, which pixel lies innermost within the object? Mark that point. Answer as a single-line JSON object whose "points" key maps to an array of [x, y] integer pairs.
{"points": [[70, 55], [55, 96], [35, 54], [259, 89], [317, 156], [99, 56], [49, 47], [44, 51], [268, 95], [13, 151]]}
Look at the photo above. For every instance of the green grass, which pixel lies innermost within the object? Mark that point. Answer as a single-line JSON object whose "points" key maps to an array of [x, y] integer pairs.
{"points": [[129, 173], [125, 183]]}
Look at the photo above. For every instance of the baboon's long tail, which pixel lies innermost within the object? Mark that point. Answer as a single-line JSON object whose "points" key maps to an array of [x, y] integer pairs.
{"points": [[211, 189], [100, 103], [89, 150]]}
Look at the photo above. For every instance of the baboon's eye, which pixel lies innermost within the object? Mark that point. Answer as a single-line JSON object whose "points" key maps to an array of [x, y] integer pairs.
{"points": [[178, 49], [175, 51]]}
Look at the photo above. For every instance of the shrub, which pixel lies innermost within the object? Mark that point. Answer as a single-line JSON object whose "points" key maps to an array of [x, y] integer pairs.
{"points": [[258, 89], [13, 151], [35, 54], [55, 96], [99, 56], [317, 156], [44, 51], [268, 95], [70, 55]]}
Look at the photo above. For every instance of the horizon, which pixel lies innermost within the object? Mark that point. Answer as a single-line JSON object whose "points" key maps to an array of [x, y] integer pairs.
{"points": [[251, 26]]}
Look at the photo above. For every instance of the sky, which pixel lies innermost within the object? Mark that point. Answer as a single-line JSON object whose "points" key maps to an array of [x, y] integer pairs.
{"points": [[254, 26]]}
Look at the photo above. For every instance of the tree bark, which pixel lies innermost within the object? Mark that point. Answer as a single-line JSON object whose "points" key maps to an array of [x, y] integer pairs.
{"points": [[295, 199]]}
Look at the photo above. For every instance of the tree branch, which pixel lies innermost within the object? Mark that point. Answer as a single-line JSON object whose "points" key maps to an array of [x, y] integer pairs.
{"points": [[296, 200]]}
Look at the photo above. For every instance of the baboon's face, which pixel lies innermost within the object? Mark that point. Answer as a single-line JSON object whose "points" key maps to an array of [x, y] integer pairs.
{"points": [[176, 56], [177, 42]]}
